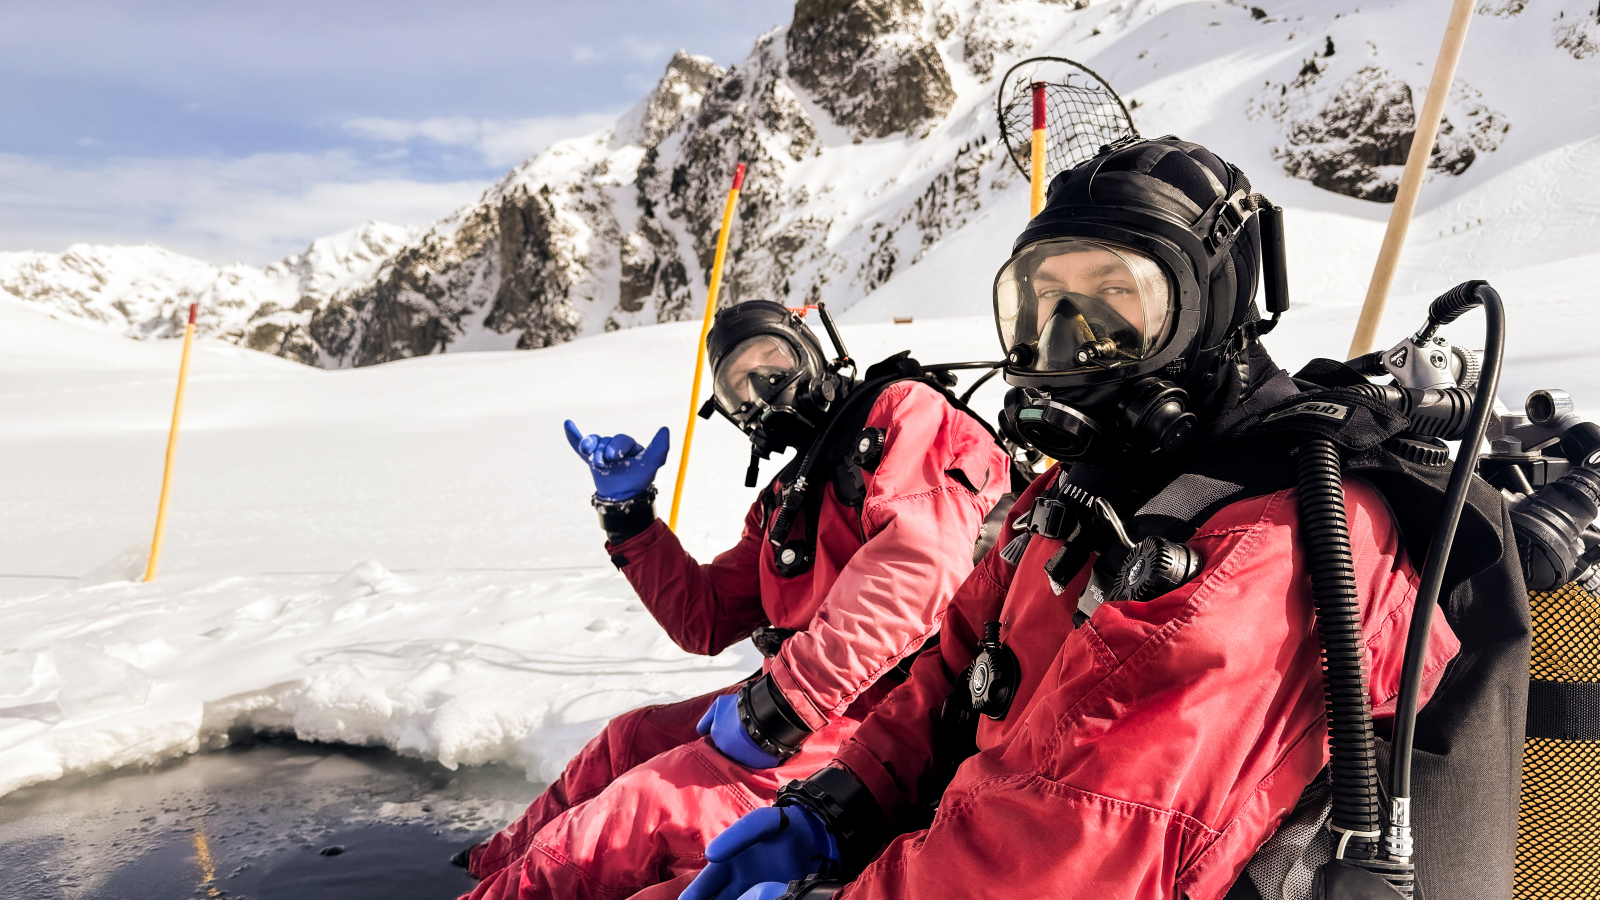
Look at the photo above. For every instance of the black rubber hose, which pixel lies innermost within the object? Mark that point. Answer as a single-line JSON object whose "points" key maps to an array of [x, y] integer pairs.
{"points": [[1434, 412], [1369, 364], [1452, 304], [1455, 498], [980, 383], [1351, 743], [794, 495]]}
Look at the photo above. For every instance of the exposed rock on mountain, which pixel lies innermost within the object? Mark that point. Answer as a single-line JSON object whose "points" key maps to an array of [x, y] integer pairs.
{"points": [[869, 64], [1579, 34], [1355, 142], [517, 268]]}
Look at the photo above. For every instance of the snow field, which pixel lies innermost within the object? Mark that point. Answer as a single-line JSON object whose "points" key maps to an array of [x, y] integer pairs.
{"points": [[404, 554], [400, 555]]}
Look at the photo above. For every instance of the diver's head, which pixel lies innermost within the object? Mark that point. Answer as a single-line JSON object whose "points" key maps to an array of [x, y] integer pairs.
{"points": [[1123, 301], [769, 375]]}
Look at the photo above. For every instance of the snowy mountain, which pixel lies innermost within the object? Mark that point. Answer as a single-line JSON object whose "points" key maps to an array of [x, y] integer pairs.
{"points": [[145, 291], [871, 139]]}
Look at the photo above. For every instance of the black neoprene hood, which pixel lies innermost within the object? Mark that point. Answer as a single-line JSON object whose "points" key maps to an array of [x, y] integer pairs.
{"points": [[1165, 198], [755, 317]]}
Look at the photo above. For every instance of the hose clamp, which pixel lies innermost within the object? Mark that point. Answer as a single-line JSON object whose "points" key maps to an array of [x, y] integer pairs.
{"points": [[1345, 834]]}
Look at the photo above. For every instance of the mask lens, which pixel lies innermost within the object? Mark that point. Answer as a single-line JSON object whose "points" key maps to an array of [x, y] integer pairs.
{"points": [[1080, 305], [757, 369]]}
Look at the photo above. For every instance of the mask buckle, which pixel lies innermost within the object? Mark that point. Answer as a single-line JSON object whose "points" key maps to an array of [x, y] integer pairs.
{"points": [[1231, 215]]}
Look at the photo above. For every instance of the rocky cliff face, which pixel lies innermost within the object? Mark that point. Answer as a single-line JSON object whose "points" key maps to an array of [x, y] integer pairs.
{"points": [[619, 229], [870, 63], [1353, 136]]}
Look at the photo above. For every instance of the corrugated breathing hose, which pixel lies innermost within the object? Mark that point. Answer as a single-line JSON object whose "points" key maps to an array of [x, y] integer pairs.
{"points": [[1354, 766]]}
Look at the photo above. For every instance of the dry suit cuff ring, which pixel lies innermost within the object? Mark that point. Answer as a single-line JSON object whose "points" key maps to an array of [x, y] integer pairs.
{"points": [[622, 519]]}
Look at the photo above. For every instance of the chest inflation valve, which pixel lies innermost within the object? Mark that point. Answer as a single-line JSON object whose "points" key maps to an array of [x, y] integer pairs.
{"points": [[995, 673], [1156, 566]]}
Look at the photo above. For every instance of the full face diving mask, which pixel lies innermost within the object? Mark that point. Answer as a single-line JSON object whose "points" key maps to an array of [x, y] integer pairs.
{"points": [[764, 384], [1082, 315], [1075, 306]]}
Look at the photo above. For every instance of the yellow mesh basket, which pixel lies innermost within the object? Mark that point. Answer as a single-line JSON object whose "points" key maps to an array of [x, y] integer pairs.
{"points": [[1558, 839]]}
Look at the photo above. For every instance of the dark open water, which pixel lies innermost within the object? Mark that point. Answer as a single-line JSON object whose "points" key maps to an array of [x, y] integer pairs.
{"points": [[254, 822]]}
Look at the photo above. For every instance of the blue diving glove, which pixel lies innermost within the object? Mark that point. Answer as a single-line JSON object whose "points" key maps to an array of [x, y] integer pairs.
{"points": [[721, 721], [622, 469], [766, 849], [766, 890]]}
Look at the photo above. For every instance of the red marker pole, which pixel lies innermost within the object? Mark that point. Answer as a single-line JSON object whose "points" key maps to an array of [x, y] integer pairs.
{"points": [[172, 447], [700, 349], [1036, 169]]}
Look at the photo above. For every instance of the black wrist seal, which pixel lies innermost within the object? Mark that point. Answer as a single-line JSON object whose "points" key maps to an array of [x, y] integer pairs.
{"points": [[849, 810], [622, 519], [812, 887], [769, 719]]}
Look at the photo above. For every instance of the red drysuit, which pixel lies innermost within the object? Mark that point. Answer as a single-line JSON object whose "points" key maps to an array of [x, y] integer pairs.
{"points": [[639, 803], [1151, 751]]}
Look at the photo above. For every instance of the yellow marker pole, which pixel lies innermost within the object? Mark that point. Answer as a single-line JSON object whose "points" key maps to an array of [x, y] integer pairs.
{"points": [[1405, 201], [1036, 177], [700, 348], [172, 448]]}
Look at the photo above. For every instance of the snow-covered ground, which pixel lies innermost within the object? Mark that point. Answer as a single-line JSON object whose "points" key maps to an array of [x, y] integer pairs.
{"points": [[401, 554], [404, 554]]}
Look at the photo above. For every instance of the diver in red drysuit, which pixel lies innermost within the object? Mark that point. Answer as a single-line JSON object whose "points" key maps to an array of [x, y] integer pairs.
{"points": [[1137, 735], [636, 806]]}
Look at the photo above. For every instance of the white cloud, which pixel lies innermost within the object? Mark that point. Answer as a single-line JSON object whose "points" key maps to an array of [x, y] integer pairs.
{"points": [[255, 209], [502, 142]]}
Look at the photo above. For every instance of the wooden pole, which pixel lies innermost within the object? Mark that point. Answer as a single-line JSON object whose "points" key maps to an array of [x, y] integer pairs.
{"points": [[1036, 178], [172, 449], [1405, 201], [700, 348]]}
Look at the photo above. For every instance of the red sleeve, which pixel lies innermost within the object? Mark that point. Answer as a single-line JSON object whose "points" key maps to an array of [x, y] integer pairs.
{"points": [[704, 608], [894, 746], [919, 521], [1170, 737]]}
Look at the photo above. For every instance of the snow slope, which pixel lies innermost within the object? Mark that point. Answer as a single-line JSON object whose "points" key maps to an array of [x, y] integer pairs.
{"points": [[402, 554]]}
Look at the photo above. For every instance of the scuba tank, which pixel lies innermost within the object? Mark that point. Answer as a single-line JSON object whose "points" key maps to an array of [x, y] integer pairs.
{"points": [[1548, 459], [1546, 464]]}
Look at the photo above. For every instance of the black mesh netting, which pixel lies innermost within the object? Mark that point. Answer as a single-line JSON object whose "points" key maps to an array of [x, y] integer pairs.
{"points": [[1558, 839], [1082, 113]]}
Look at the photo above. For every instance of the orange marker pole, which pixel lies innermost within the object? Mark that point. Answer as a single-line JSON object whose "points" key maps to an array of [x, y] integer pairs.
{"points": [[700, 348], [1405, 201], [1036, 177], [172, 448]]}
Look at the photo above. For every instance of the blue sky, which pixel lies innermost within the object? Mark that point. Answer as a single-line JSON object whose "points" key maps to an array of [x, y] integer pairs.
{"points": [[241, 130]]}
